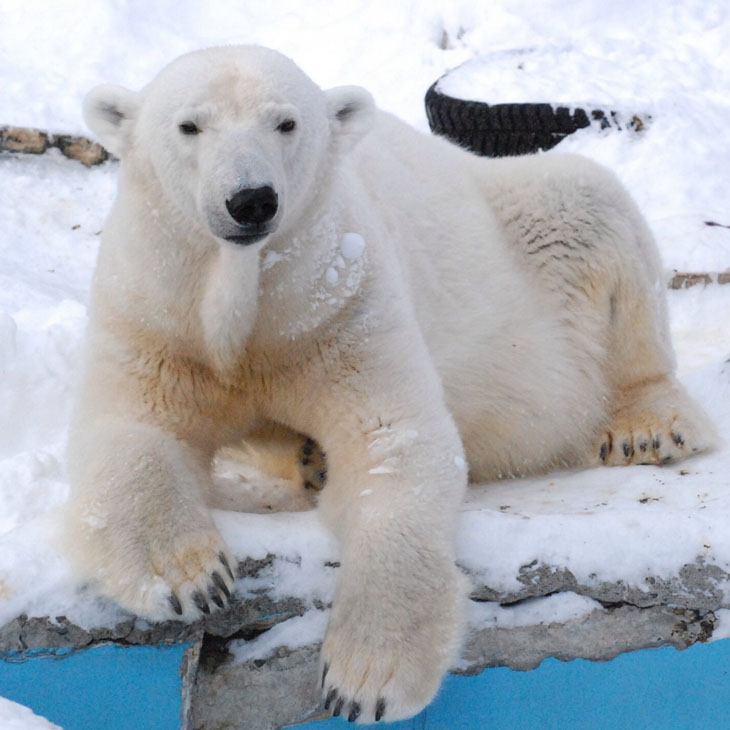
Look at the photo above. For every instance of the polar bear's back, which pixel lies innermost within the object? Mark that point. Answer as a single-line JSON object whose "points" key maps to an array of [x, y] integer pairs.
{"points": [[492, 328]]}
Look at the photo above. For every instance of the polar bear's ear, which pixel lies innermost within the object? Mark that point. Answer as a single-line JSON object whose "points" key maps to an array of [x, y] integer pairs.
{"points": [[109, 111], [351, 111]]}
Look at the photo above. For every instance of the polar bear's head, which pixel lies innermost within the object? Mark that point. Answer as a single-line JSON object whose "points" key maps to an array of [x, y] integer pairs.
{"points": [[238, 136]]}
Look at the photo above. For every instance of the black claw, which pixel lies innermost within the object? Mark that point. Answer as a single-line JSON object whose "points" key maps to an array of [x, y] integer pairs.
{"points": [[308, 448], [221, 584], [200, 602], [656, 443], [643, 446], [604, 451], [324, 673], [338, 707], [677, 439], [380, 709], [331, 695], [175, 603], [224, 562], [627, 449], [213, 595], [354, 712], [322, 475], [305, 461]]}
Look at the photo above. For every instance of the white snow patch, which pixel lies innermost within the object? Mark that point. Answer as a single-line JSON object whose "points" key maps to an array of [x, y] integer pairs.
{"points": [[353, 245], [722, 625], [17, 717], [290, 634], [304, 550], [557, 608], [382, 469], [271, 258]]}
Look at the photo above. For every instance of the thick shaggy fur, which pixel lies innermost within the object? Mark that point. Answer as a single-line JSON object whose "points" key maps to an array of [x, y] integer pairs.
{"points": [[425, 315]]}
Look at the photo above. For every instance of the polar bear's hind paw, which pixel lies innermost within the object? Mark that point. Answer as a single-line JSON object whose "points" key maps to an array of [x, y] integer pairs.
{"points": [[655, 424], [312, 465]]}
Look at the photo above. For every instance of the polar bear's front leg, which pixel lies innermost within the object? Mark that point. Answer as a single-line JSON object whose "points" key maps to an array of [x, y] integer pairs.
{"points": [[396, 476], [397, 617], [137, 523]]}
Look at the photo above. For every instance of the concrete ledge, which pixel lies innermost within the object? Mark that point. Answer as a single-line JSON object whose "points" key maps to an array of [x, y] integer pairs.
{"points": [[278, 686]]}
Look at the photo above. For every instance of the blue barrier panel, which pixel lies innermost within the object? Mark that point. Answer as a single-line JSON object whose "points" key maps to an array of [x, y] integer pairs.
{"points": [[653, 689], [108, 687]]}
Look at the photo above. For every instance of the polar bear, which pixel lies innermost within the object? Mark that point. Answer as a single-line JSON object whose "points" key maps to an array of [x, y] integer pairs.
{"points": [[279, 254]]}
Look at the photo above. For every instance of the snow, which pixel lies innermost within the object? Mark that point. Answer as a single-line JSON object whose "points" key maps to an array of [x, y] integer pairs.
{"points": [[293, 633], [310, 628], [16, 717], [305, 553], [674, 74], [722, 628], [557, 608], [353, 245], [670, 60]]}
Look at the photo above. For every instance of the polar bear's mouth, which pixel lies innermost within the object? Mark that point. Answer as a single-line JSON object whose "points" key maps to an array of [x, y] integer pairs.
{"points": [[246, 239]]}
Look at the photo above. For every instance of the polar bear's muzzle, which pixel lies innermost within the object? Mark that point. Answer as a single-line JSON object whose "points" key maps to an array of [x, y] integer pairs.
{"points": [[253, 210]]}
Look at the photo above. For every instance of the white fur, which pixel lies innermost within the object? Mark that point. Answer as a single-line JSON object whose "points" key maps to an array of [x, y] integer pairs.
{"points": [[411, 305]]}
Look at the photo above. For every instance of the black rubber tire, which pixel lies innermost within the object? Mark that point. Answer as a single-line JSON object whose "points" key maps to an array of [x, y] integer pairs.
{"points": [[500, 130]]}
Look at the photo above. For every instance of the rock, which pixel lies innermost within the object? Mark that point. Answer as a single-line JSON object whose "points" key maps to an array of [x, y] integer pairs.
{"points": [[599, 636], [258, 694]]}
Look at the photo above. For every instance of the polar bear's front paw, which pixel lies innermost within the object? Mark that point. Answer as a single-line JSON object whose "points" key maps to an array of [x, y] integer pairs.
{"points": [[182, 577], [195, 573], [386, 662], [371, 682]]}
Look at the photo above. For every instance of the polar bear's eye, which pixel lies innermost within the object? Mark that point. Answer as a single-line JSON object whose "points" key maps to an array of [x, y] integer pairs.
{"points": [[288, 125], [189, 128]]}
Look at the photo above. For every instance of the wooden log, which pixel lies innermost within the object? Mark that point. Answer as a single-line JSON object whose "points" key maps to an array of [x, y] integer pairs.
{"points": [[26, 140], [23, 139], [688, 280]]}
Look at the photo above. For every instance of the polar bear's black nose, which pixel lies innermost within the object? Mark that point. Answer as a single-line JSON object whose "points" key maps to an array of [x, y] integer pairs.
{"points": [[253, 206]]}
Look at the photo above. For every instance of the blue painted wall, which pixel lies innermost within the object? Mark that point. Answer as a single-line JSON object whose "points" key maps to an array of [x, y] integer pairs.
{"points": [[138, 688], [104, 688]]}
